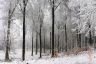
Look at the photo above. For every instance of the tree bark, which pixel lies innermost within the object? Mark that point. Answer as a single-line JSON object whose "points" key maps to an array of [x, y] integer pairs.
{"points": [[53, 18], [90, 36], [66, 37], [23, 45], [50, 42], [8, 38], [40, 42], [32, 44], [36, 43], [44, 43]]}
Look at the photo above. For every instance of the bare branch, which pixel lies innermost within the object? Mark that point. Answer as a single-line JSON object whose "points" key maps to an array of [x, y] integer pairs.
{"points": [[57, 5], [14, 8]]}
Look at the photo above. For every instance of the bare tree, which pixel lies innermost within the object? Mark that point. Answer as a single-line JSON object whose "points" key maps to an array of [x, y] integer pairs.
{"points": [[10, 15], [53, 8], [24, 15], [41, 16]]}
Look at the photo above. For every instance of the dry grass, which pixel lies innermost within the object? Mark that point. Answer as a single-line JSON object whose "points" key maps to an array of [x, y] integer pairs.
{"points": [[76, 51], [88, 50]]}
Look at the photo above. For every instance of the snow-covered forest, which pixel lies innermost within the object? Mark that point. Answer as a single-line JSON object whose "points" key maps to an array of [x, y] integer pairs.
{"points": [[47, 31]]}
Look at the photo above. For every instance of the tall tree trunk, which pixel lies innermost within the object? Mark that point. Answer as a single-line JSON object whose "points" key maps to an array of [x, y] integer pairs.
{"points": [[54, 40], [32, 44], [50, 42], [40, 43], [90, 37], [79, 40], [66, 37], [36, 43], [86, 41], [44, 43], [8, 38], [53, 18], [23, 45]]}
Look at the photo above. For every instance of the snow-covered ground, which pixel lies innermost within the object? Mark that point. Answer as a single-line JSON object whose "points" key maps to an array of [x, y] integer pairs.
{"points": [[15, 55]]}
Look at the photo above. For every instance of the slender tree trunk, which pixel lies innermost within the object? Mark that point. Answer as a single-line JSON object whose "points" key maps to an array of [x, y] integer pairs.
{"points": [[44, 43], [53, 18], [54, 41], [32, 44], [40, 43], [77, 36], [50, 42], [23, 45], [10, 45], [86, 41], [66, 37], [8, 38], [79, 40], [36, 43], [90, 37]]}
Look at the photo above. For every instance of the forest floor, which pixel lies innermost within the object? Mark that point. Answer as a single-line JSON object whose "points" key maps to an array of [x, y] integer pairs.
{"points": [[82, 58]]}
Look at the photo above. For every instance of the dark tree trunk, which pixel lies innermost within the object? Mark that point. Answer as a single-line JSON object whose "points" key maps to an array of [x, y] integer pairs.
{"points": [[8, 38], [36, 43], [66, 37], [53, 18], [23, 45], [40, 43], [79, 40], [50, 42], [44, 43], [90, 37], [86, 41], [32, 44]]}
